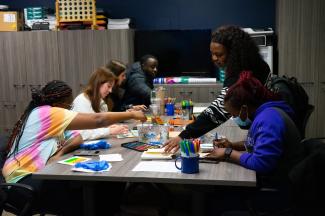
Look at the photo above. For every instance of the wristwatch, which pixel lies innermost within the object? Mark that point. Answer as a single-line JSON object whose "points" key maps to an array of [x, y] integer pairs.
{"points": [[227, 153]]}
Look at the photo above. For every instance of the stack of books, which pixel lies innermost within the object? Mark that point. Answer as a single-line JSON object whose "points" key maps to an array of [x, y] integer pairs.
{"points": [[118, 23]]}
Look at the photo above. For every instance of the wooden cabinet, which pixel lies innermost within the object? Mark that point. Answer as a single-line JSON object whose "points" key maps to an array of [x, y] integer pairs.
{"points": [[31, 59], [198, 93], [76, 56], [13, 64], [41, 54], [301, 33]]}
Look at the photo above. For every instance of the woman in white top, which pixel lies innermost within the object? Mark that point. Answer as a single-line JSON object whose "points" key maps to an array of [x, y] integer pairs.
{"points": [[91, 100]]}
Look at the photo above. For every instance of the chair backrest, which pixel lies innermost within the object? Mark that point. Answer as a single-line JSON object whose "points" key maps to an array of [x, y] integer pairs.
{"points": [[308, 113], [3, 155], [14, 198], [308, 179]]}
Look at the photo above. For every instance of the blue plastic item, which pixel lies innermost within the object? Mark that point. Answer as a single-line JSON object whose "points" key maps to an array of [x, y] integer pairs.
{"points": [[101, 144], [93, 165]]}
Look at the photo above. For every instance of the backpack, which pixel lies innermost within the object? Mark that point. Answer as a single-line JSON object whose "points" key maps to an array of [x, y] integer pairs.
{"points": [[295, 95]]}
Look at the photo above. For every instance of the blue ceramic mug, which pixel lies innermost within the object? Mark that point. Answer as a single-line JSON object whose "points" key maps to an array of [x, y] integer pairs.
{"points": [[189, 165], [170, 109]]}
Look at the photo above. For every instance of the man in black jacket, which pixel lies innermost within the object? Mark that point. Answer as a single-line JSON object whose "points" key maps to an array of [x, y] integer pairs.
{"points": [[139, 81]]}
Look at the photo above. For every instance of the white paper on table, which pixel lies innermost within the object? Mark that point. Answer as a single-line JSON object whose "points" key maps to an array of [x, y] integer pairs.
{"points": [[111, 157], [90, 171], [198, 109], [156, 166]]}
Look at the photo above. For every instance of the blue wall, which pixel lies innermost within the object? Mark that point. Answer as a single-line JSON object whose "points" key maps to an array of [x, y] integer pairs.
{"points": [[180, 14]]}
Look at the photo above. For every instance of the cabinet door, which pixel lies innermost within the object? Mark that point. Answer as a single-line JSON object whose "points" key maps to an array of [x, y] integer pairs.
{"points": [[42, 64], [13, 61], [113, 44], [121, 43], [192, 93], [76, 53], [12, 112], [184, 93], [213, 91]]}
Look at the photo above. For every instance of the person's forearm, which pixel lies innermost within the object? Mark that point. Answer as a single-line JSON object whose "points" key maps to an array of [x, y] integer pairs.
{"points": [[71, 145], [235, 156], [239, 146], [98, 120]]}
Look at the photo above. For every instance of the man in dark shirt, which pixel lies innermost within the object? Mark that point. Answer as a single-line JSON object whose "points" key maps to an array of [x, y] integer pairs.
{"points": [[139, 81]]}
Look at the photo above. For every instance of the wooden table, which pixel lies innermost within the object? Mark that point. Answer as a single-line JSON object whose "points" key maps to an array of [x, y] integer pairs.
{"points": [[224, 174]]}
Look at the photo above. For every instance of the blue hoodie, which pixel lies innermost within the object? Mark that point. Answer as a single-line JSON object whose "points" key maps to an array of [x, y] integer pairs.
{"points": [[265, 137]]}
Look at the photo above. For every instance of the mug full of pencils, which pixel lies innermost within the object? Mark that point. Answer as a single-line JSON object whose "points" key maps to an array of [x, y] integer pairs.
{"points": [[189, 156]]}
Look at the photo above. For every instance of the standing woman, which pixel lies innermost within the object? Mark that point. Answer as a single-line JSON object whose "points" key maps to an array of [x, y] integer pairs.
{"points": [[233, 51], [42, 135], [100, 85], [114, 99]]}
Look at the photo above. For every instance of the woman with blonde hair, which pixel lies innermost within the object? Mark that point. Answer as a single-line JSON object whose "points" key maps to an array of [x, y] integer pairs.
{"points": [[91, 100]]}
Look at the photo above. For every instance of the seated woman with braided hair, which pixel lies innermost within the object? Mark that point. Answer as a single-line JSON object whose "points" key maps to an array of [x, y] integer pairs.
{"points": [[43, 134]]}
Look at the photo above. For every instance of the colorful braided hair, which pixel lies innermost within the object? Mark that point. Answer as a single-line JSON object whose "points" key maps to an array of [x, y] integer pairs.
{"points": [[53, 92]]}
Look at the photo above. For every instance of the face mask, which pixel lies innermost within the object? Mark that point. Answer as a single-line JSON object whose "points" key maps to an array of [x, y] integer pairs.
{"points": [[242, 123]]}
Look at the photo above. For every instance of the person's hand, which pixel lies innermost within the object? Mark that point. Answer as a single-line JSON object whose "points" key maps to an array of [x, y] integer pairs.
{"points": [[172, 145], [139, 108], [55, 157], [118, 129], [222, 143], [217, 153], [139, 115]]}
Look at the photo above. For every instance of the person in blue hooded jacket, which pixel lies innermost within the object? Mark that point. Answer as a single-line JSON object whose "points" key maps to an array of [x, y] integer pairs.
{"points": [[273, 143]]}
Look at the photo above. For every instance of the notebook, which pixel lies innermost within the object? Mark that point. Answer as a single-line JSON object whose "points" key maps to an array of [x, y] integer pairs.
{"points": [[156, 154]]}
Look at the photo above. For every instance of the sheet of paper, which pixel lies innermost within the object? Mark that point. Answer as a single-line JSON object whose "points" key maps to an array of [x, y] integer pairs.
{"points": [[111, 157], [156, 166], [198, 109], [73, 160]]}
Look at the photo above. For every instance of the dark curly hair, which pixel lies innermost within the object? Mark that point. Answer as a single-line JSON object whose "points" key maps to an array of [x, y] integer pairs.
{"points": [[53, 92], [242, 52]]}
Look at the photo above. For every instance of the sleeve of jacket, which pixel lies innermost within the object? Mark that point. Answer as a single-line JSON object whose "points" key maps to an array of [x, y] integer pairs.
{"points": [[267, 148], [210, 118], [138, 85]]}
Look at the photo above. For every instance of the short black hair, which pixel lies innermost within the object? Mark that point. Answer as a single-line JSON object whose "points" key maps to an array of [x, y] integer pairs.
{"points": [[145, 58]]}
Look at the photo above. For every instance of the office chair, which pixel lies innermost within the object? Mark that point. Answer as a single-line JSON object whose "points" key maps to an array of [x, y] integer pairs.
{"points": [[304, 122], [307, 179], [10, 191]]}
